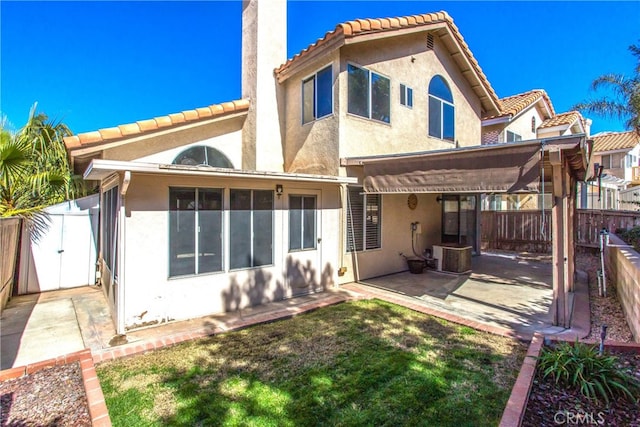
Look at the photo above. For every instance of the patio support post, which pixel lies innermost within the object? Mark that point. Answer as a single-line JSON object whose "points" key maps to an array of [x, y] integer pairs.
{"points": [[571, 233], [559, 213]]}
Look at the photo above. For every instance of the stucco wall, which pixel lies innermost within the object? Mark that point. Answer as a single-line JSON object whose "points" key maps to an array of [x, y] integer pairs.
{"points": [[623, 265], [522, 125], [406, 60], [396, 237], [151, 296], [316, 147], [223, 135], [311, 147]]}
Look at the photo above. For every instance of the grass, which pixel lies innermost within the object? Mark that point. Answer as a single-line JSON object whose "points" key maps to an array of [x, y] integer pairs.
{"points": [[357, 363]]}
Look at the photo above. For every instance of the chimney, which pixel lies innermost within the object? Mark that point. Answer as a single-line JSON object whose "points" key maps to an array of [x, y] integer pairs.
{"points": [[264, 48]]}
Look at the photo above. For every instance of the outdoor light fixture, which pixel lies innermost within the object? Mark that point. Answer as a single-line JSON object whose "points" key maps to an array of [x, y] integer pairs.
{"points": [[279, 190]]}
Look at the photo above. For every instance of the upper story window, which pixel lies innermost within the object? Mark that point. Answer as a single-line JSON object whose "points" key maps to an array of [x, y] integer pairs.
{"points": [[441, 111], [513, 137], [202, 155], [369, 94], [533, 124], [606, 161], [406, 96], [317, 99]]}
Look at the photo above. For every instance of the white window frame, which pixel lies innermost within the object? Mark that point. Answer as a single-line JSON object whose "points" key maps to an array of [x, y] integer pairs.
{"points": [[442, 102], [252, 210], [302, 229], [314, 77], [369, 93]]}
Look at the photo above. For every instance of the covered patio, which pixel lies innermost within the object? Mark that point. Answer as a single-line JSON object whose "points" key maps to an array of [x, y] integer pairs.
{"points": [[552, 166]]}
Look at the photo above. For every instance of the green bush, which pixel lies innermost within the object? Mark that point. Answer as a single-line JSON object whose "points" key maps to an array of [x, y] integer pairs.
{"points": [[631, 236], [581, 367]]}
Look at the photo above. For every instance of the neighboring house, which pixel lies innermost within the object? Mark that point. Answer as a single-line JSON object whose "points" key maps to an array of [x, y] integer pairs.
{"points": [[527, 116], [364, 145], [618, 156]]}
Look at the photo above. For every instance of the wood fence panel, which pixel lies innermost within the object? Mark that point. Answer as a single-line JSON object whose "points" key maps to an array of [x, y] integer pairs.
{"points": [[9, 237], [531, 230]]}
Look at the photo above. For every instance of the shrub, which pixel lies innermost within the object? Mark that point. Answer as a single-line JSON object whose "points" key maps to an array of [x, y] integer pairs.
{"points": [[580, 366], [631, 236]]}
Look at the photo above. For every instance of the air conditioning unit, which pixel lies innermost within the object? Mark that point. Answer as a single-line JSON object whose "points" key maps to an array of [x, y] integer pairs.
{"points": [[453, 258]]}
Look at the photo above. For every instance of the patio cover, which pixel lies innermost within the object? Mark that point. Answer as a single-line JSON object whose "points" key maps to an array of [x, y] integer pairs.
{"points": [[507, 168]]}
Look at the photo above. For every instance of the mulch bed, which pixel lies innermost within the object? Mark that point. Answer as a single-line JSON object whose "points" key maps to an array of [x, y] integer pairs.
{"points": [[550, 405], [50, 397]]}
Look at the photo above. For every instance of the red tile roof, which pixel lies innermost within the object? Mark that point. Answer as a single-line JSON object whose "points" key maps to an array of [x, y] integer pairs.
{"points": [[567, 118], [515, 104], [151, 125], [362, 27], [611, 141]]}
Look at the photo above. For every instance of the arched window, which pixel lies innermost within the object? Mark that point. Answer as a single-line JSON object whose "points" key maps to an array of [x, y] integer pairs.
{"points": [[441, 111], [202, 155]]}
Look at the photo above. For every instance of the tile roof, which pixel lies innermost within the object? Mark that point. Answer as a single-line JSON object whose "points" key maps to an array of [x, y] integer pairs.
{"points": [[611, 141], [515, 104], [567, 118], [362, 27], [151, 125]]}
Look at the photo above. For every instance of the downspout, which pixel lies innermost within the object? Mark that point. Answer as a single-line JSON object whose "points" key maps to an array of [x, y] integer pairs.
{"points": [[343, 202], [120, 327]]}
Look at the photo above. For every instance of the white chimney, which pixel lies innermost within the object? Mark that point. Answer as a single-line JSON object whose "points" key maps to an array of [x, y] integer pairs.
{"points": [[264, 48]]}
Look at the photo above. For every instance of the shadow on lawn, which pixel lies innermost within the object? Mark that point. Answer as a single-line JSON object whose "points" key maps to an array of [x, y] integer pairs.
{"points": [[366, 362]]}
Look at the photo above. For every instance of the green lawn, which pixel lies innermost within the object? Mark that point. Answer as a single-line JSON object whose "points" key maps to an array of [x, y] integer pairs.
{"points": [[358, 363]]}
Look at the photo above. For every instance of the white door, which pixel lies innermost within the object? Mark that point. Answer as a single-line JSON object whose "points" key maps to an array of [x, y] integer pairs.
{"points": [[303, 268]]}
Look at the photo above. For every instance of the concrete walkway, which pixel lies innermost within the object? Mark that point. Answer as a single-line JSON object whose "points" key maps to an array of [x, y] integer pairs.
{"points": [[48, 325]]}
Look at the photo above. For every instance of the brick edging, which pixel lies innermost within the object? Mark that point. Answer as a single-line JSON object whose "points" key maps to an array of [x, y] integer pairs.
{"points": [[517, 403], [93, 391]]}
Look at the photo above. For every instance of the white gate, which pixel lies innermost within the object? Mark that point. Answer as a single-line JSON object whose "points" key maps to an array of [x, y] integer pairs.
{"points": [[65, 255]]}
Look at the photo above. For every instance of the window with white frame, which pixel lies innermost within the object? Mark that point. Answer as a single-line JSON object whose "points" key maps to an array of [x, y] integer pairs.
{"points": [[363, 220], [317, 95], [250, 228], [109, 245], [441, 110], [606, 161], [513, 137], [195, 231], [302, 222], [406, 96], [369, 94]]}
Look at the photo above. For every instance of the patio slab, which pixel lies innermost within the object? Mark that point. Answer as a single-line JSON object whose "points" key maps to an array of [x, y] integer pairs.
{"points": [[501, 291]]}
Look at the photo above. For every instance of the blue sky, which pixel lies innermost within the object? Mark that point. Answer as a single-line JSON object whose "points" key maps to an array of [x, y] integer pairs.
{"points": [[100, 64]]}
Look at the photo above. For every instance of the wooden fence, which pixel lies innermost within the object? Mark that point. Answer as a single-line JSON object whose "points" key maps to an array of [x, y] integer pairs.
{"points": [[9, 238], [531, 230]]}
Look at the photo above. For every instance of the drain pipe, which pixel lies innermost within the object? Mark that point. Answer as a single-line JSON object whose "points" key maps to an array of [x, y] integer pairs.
{"points": [[603, 336], [604, 241]]}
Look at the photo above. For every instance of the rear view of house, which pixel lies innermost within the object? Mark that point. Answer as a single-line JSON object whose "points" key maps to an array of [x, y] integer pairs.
{"points": [[365, 145]]}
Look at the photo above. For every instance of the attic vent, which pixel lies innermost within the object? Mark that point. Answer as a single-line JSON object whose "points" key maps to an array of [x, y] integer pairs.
{"points": [[430, 41]]}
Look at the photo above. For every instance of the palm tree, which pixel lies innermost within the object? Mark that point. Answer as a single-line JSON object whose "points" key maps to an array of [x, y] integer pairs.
{"points": [[624, 103], [34, 168]]}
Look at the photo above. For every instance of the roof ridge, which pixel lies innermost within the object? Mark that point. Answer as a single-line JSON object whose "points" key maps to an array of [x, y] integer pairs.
{"points": [[149, 125]]}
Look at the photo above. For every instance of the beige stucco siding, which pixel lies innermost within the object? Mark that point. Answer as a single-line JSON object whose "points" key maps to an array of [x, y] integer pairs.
{"points": [[522, 125], [151, 296], [228, 144], [311, 147], [396, 237], [405, 60], [316, 147], [224, 135]]}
